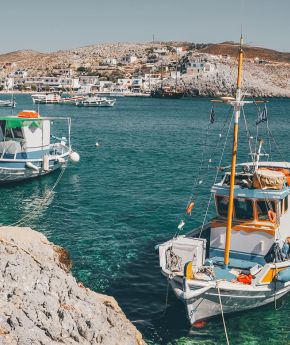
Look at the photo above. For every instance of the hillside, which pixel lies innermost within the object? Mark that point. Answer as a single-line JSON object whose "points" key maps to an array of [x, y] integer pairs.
{"points": [[231, 49]]}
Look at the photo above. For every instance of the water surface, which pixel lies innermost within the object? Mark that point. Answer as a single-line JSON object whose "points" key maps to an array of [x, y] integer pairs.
{"points": [[127, 194]]}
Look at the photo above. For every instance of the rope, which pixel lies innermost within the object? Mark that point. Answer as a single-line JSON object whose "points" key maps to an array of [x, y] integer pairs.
{"points": [[43, 202], [196, 183], [222, 312], [216, 176], [248, 134]]}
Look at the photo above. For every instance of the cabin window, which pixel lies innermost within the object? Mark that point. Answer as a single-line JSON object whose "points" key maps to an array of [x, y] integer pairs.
{"points": [[243, 209], [263, 207], [17, 133], [222, 205]]}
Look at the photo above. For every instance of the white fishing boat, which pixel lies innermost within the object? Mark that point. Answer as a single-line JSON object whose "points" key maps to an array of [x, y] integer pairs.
{"points": [[72, 99], [46, 98], [8, 103], [95, 101], [28, 149], [239, 260]]}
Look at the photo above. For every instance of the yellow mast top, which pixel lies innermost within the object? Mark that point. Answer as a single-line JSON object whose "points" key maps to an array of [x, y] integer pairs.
{"points": [[237, 107]]}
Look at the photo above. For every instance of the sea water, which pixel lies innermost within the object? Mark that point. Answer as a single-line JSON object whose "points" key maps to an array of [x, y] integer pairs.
{"points": [[128, 193]]}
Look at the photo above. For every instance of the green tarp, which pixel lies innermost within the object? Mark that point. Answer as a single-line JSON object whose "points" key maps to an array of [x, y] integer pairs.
{"points": [[16, 122]]}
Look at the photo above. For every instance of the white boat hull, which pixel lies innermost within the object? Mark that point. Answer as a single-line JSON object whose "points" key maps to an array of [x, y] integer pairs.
{"points": [[208, 303]]}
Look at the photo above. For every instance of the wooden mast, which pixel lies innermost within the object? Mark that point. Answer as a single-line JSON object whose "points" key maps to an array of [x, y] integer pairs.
{"points": [[237, 106]]}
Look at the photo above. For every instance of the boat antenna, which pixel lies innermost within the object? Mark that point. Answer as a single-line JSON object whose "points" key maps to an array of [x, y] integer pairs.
{"points": [[237, 107]]}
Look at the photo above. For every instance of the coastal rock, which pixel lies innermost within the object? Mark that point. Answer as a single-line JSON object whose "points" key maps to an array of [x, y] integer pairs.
{"points": [[42, 303]]}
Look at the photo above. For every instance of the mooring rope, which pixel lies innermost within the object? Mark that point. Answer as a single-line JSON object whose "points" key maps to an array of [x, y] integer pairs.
{"points": [[222, 312], [32, 214]]}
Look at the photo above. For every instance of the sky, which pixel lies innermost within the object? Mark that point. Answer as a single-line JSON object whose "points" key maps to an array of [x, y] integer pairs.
{"points": [[50, 25]]}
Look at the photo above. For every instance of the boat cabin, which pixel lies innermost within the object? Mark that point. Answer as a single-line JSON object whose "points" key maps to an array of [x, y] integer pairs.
{"points": [[22, 138], [260, 215]]}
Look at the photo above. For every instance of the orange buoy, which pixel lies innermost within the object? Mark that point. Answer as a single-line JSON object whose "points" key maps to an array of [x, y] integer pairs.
{"points": [[189, 208], [245, 278], [272, 216], [28, 114], [199, 324]]}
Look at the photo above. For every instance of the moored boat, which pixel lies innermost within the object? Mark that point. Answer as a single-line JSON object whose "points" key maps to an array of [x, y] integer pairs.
{"points": [[240, 259], [27, 149], [72, 99], [46, 98], [166, 93], [95, 101], [8, 103]]}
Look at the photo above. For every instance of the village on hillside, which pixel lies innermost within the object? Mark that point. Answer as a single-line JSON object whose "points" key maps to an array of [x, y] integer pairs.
{"points": [[137, 69]]}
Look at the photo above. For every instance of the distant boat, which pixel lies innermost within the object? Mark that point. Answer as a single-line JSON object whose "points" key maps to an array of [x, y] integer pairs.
{"points": [[8, 103], [164, 93], [95, 101], [112, 93], [72, 100], [26, 150], [46, 98]]}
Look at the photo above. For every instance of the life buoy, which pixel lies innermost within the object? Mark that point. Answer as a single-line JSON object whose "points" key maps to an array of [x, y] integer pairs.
{"points": [[189, 208], [245, 278], [28, 114], [272, 216]]}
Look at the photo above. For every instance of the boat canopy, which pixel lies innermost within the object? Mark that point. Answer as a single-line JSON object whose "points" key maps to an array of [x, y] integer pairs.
{"points": [[33, 134], [16, 122]]}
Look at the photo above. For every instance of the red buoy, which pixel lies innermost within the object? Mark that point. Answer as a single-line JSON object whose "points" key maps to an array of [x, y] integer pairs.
{"points": [[199, 324]]}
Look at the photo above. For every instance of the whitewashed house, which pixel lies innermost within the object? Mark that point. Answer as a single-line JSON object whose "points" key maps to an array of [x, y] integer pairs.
{"points": [[110, 61], [128, 59]]}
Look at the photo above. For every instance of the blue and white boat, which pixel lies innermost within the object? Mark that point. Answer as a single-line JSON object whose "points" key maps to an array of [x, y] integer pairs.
{"points": [[28, 149], [240, 259]]}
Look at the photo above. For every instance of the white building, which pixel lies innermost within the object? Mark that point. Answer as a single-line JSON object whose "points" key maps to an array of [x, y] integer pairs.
{"points": [[110, 61], [7, 83], [19, 73], [125, 82], [199, 66], [151, 80], [128, 59]]}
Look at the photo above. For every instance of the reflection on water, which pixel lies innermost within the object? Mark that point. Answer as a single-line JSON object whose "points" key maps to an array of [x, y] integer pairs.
{"points": [[125, 196]]}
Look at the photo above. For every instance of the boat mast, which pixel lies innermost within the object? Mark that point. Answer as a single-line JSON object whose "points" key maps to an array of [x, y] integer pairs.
{"points": [[237, 107]]}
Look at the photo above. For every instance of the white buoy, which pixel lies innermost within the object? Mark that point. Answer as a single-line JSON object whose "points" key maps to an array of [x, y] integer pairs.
{"points": [[97, 144], [32, 166], [45, 163], [74, 156]]}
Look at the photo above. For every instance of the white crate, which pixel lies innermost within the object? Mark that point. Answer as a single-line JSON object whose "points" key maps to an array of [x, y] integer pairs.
{"points": [[182, 249]]}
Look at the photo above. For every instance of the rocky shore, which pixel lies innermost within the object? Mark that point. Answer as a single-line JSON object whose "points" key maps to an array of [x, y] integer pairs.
{"points": [[42, 303]]}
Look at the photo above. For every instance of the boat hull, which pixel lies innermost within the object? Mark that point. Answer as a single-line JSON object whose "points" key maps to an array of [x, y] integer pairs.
{"points": [[208, 305], [19, 170]]}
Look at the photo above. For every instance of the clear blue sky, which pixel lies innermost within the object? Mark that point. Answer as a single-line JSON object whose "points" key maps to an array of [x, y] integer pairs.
{"points": [[49, 25]]}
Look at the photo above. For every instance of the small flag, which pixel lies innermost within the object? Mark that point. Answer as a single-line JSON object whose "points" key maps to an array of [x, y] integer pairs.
{"points": [[181, 225], [262, 117], [212, 115]]}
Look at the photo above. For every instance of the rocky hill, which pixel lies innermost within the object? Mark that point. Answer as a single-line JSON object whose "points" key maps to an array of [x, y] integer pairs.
{"points": [[231, 49], [42, 303], [267, 72]]}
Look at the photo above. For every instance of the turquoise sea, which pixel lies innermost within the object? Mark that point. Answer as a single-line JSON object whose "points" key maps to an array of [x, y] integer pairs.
{"points": [[127, 195]]}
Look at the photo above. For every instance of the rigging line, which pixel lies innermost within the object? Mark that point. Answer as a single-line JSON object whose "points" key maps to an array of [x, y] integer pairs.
{"points": [[248, 134], [269, 138], [216, 176], [222, 312], [42, 203], [276, 144], [212, 154], [196, 185]]}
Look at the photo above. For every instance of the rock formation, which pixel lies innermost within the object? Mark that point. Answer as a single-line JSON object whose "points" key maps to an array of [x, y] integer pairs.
{"points": [[42, 303]]}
